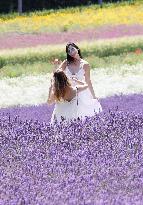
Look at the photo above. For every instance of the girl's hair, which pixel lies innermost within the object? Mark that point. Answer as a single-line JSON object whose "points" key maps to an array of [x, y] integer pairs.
{"points": [[70, 59], [60, 84]]}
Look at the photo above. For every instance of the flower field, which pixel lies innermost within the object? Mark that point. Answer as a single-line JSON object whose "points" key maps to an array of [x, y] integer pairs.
{"points": [[76, 24], [73, 19], [16, 40], [98, 161], [101, 53]]}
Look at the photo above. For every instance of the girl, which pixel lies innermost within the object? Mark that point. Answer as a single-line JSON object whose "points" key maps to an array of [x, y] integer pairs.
{"points": [[65, 97]]}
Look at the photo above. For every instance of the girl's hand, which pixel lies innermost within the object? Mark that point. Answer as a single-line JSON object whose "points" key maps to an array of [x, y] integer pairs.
{"points": [[78, 81], [56, 62], [74, 78]]}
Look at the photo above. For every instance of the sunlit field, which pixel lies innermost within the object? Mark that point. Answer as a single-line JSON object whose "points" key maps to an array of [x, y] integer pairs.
{"points": [[101, 53], [73, 19], [97, 160]]}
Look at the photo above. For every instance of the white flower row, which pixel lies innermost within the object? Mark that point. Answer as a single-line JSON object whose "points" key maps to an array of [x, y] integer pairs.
{"points": [[33, 90]]}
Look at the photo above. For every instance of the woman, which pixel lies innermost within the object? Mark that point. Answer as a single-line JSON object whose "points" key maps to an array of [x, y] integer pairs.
{"points": [[65, 97], [77, 68]]}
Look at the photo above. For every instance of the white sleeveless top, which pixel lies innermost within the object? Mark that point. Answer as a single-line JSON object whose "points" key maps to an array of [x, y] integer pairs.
{"points": [[80, 74]]}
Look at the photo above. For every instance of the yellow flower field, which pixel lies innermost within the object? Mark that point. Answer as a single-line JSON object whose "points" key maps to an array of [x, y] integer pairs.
{"points": [[64, 20]]}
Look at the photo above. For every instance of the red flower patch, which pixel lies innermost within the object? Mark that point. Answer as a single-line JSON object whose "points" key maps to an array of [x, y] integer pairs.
{"points": [[138, 51]]}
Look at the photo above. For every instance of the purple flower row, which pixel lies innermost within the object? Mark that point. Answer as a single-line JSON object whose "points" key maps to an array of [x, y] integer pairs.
{"points": [[43, 112], [103, 32], [98, 161]]}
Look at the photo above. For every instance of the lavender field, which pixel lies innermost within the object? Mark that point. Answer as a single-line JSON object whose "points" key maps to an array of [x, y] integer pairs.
{"points": [[98, 161], [95, 162], [43, 112]]}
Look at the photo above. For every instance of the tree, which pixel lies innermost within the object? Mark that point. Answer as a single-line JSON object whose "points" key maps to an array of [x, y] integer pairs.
{"points": [[20, 6]]}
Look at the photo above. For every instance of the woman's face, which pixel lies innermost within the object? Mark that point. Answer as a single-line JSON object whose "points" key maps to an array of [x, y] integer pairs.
{"points": [[72, 51]]}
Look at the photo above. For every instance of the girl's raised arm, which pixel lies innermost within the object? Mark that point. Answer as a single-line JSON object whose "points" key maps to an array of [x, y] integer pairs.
{"points": [[51, 96], [59, 65]]}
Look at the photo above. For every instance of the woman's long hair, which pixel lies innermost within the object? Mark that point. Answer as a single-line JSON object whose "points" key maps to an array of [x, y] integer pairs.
{"points": [[70, 59], [61, 82]]}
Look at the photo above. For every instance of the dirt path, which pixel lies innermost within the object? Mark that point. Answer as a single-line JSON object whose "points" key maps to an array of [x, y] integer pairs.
{"points": [[16, 40]]}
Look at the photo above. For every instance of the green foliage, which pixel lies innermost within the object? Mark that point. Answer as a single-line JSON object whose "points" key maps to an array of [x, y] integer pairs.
{"points": [[96, 62], [2, 62], [47, 53]]}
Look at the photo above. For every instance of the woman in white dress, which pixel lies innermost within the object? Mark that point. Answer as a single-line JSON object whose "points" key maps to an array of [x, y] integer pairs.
{"points": [[77, 69], [65, 97], [76, 66]]}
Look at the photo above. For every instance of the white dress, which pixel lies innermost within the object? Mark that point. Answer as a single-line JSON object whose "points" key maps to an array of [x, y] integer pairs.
{"points": [[65, 109], [81, 105]]}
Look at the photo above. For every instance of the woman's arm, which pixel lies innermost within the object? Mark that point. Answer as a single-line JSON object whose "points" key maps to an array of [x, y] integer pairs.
{"points": [[88, 80]]}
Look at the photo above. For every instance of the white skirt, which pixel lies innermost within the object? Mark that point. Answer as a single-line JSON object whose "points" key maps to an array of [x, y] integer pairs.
{"points": [[81, 106], [87, 105]]}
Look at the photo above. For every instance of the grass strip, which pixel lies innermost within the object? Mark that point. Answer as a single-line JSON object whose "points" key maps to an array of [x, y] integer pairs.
{"points": [[110, 62], [44, 54]]}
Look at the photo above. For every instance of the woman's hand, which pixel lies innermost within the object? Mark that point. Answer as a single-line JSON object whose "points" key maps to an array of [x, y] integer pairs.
{"points": [[56, 62]]}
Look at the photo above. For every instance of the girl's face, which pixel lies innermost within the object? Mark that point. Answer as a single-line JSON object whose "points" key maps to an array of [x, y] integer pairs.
{"points": [[72, 51]]}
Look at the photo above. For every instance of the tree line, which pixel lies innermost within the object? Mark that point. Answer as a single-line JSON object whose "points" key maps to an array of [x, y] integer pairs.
{"points": [[32, 5]]}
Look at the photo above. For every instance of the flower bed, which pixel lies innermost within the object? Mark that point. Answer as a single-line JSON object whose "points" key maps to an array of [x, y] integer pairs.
{"points": [[93, 162]]}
